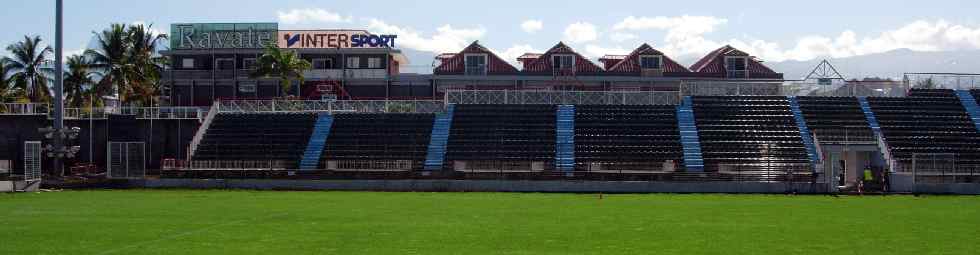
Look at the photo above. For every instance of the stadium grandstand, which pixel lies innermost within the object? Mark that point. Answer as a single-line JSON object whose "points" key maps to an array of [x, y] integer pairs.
{"points": [[726, 120]]}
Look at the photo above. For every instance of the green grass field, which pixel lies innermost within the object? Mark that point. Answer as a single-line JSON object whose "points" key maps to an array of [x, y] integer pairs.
{"points": [[257, 222]]}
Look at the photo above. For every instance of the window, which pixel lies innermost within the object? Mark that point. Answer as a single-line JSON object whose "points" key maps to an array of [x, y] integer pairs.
{"points": [[737, 67], [322, 63], [562, 61], [476, 64], [374, 62], [353, 62], [224, 64], [187, 63], [246, 87], [248, 64], [650, 62]]}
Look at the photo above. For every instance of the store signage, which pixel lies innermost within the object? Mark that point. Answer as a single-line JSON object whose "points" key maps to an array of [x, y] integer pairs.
{"points": [[333, 39], [187, 36]]}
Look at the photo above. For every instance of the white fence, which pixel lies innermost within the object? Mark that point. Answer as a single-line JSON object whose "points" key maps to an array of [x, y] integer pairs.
{"points": [[562, 97], [23, 109], [942, 80], [366, 106], [140, 112], [32, 161]]}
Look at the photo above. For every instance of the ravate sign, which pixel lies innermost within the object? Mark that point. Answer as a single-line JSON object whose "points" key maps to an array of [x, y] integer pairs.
{"points": [[188, 36]]}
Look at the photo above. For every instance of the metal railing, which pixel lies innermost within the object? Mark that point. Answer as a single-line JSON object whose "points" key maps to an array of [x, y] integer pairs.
{"points": [[24, 109], [139, 112], [361, 106], [731, 88], [556, 97]]}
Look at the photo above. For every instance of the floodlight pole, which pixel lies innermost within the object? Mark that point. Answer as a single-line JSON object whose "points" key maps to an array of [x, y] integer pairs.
{"points": [[59, 106]]}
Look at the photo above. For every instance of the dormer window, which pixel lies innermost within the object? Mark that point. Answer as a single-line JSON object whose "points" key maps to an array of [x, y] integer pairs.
{"points": [[737, 67], [476, 64], [562, 61], [651, 62]]}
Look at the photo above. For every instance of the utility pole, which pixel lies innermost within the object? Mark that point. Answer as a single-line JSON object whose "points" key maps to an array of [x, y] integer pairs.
{"points": [[59, 106]]}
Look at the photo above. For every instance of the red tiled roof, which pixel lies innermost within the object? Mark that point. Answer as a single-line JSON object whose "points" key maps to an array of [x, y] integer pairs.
{"points": [[631, 63], [456, 64], [713, 64], [543, 63]]}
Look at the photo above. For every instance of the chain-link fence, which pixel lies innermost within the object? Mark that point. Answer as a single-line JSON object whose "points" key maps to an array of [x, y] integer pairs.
{"points": [[846, 89], [558, 97], [942, 80]]}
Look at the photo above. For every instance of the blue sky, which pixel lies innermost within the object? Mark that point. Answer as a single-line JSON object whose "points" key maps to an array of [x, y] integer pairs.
{"points": [[772, 30]]}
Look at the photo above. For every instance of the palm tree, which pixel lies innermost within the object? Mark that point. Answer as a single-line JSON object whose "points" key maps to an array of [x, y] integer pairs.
{"points": [[8, 93], [78, 81], [147, 65], [28, 65], [275, 62], [109, 58]]}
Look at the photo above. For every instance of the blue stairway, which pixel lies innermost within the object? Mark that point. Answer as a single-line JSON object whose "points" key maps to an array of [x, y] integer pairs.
{"points": [[689, 136], [565, 138], [436, 154], [314, 148], [811, 149], [970, 104], [869, 115]]}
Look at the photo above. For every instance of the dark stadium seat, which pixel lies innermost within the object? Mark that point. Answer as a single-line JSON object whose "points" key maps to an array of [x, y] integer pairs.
{"points": [[836, 120], [279, 137], [378, 141], [626, 138], [927, 122], [749, 133], [502, 137]]}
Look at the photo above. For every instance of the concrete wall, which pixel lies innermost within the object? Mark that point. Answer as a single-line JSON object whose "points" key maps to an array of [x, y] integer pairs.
{"points": [[484, 185]]}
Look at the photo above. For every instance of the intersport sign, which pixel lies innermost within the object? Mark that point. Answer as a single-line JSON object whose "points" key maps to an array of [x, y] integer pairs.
{"points": [[333, 39]]}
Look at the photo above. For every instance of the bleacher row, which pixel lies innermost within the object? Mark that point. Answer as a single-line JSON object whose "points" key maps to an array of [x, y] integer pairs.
{"points": [[737, 134]]}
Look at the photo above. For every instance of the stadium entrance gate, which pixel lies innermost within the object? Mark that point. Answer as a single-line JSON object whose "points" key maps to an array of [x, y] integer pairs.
{"points": [[127, 160]]}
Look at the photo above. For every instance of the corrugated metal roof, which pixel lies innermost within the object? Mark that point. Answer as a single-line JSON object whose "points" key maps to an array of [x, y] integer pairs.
{"points": [[456, 64]]}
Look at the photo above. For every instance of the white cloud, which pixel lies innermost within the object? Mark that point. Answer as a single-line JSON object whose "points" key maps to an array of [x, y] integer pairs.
{"points": [[531, 26], [510, 54], [446, 38], [580, 32], [622, 37], [311, 15], [919, 36]]}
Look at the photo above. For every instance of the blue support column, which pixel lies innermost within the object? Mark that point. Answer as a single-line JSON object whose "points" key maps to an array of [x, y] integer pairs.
{"points": [[689, 136], [811, 149], [314, 148], [438, 140], [970, 103], [565, 138]]}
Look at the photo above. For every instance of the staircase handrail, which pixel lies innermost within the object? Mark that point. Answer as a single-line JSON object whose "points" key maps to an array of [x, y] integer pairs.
{"points": [[199, 135]]}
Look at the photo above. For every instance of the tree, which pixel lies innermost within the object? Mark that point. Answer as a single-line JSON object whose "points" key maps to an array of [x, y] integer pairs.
{"points": [[28, 66], [275, 62], [110, 61], [147, 66], [8, 92], [78, 81], [928, 83]]}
